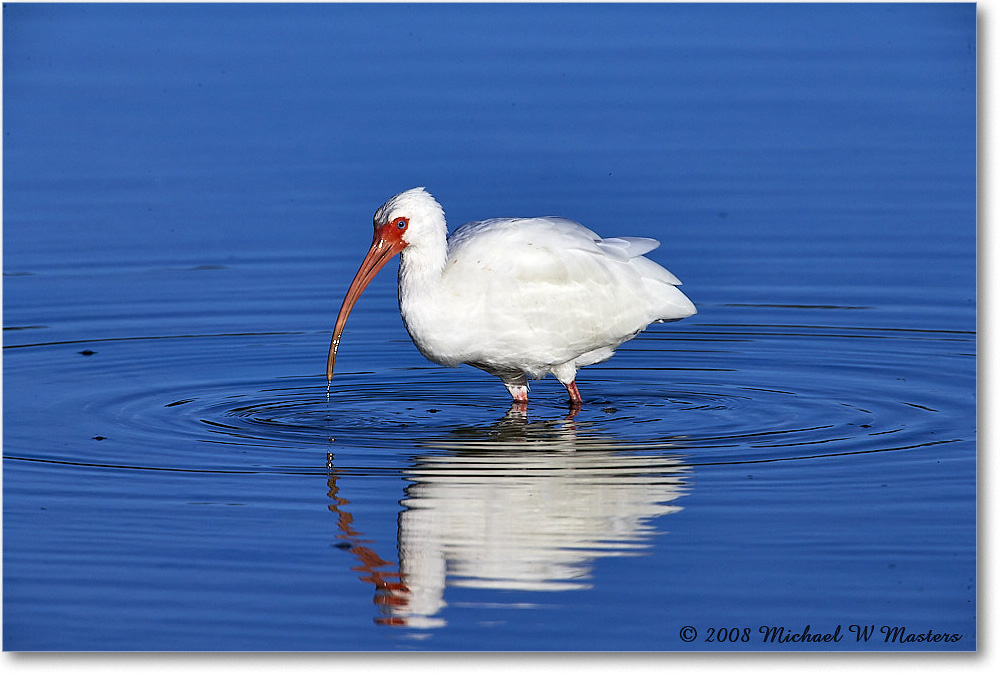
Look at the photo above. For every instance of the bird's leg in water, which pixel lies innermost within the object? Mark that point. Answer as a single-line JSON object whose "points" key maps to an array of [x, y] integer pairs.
{"points": [[574, 395], [516, 382], [519, 392]]}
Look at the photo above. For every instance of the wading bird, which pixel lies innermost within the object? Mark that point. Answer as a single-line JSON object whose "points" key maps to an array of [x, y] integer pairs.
{"points": [[516, 297]]}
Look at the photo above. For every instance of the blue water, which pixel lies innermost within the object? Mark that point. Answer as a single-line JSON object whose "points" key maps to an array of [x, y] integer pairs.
{"points": [[188, 190]]}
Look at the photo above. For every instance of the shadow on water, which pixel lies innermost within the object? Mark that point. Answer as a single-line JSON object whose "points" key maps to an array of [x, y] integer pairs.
{"points": [[514, 505]]}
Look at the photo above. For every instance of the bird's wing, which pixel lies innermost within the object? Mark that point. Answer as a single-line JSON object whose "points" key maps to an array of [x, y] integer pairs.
{"points": [[556, 261], [624, 248], [551, 288], [523, 250]]}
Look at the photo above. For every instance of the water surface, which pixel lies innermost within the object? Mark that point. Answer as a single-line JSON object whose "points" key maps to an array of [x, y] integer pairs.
{"points": [[188, 191]]}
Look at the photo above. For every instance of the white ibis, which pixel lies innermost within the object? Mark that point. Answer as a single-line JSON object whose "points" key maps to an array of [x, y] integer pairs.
{"points": [[516, 297]]}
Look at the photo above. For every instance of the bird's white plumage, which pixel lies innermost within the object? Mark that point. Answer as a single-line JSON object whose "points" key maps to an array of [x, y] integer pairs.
{"points": [[524, 296]]}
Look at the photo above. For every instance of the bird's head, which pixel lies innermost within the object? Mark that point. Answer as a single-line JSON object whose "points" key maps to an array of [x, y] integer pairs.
{"points": [[411, 218]]}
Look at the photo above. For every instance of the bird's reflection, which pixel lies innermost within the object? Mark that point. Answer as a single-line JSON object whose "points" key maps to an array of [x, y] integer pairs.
{"points": [[515, 505]]}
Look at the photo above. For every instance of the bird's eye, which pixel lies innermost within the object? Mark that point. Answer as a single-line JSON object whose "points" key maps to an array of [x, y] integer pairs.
{"points": [[401, 223]]}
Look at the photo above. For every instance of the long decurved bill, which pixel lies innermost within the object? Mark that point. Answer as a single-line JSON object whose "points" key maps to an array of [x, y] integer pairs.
{"points": [[385, 244]]}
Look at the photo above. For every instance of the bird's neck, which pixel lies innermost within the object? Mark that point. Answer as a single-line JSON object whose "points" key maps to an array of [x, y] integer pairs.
{"points": [[421, 272], [421, 266]]}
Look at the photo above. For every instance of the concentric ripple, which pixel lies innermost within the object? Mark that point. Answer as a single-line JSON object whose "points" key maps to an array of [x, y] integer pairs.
{"points": [[707, 394]]}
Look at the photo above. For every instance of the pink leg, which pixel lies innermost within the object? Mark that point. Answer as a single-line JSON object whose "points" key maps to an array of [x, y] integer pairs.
{"points": [[519, 392], [574, 394]]}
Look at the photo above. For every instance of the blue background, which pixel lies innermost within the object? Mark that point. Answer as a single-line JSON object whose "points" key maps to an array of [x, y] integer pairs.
{"points": [[188, 190]]}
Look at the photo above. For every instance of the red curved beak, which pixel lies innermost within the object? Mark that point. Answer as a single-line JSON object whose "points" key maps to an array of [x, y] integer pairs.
{"points": [[386, 243]]}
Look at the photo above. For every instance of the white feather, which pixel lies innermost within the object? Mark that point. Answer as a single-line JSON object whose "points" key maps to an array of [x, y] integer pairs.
{"points": [[525, 296]]}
